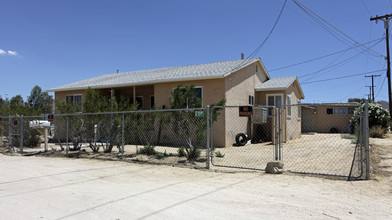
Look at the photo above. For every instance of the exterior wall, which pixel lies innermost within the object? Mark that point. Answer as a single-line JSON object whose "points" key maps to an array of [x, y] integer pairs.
{"points": [[212, 92], [61, 95], [292, 124], [238, 87], [323, 122]]}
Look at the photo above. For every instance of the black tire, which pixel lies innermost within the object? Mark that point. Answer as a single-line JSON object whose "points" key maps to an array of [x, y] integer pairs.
{"points": [[241, 139]]}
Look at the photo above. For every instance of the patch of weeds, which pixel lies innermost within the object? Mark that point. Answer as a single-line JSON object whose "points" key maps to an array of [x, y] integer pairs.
{"points": [[181, 152], [148, 150], [193, 153], [219, 154], [377, 131]]}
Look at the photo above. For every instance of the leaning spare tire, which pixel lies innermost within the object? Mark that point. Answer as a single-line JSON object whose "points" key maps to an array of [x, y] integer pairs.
{"points": [[241, 139]]}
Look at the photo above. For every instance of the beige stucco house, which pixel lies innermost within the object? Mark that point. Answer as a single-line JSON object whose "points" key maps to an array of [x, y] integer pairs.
{"points": [[240, 82], [328, 118]]}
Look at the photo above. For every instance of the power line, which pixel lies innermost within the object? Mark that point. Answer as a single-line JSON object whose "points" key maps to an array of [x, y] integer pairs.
{"points": [[323, 80], [336, 64], [303, 7], [321, 57], [265, 40], [381, 86], [367, 9]]}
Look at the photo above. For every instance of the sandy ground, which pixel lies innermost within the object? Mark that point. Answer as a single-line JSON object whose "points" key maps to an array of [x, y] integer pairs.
{"points": [[64, 188]]}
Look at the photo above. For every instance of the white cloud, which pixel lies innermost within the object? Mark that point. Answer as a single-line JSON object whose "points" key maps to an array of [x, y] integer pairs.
{"points": [[12, 53], [2, 52]]}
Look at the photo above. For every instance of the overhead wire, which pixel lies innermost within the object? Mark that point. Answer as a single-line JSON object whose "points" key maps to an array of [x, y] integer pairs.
{"points": [[337, 64], [265, 40], [341, 77], [324, 56], [306, 9], [367, 9]]}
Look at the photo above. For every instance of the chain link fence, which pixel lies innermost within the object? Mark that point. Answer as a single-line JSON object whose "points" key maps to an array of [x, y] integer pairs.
{"points": [[245, 137], [318, 139], [156, 136], [308, 138]]}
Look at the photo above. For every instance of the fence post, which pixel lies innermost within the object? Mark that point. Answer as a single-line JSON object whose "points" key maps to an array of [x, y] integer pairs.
{"points": [[66, 138], [122, 137], [367, 139], [21, 135], [9, 134], [208, 138]]}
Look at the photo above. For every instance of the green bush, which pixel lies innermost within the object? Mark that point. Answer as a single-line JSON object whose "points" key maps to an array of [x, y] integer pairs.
{"points": [[181, 152], [378, 116], [193, 153], [219, 154], [148, 150]]}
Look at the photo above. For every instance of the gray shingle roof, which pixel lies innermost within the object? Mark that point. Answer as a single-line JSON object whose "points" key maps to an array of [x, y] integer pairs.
{"points": [[276, 84], [279, 84], [170, 74]]}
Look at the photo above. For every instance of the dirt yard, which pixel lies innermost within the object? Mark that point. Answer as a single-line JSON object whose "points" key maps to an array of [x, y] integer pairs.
{"points": [[312, 153], [71, 188]]}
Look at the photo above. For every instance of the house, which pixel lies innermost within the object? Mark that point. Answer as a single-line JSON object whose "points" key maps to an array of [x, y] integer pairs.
{"points": [[240, 82], [328, 118]]}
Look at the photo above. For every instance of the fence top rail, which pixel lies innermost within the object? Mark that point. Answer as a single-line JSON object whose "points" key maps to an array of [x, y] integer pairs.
{"points": [[139, 111], [236, 106]]}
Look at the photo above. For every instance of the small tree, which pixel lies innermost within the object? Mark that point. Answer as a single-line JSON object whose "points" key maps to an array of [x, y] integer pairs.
{"points": [[186, 124], [378, 116]]}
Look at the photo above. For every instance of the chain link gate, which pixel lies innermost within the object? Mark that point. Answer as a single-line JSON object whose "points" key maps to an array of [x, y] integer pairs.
{"points": [[244, 137], [319, 139], [287, 136]]}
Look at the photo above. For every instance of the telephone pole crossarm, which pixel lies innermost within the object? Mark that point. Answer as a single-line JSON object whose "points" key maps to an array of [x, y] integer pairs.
{"points": [[386, 18]]}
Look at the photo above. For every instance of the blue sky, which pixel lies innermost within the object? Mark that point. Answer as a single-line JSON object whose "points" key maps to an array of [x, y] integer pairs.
{"points": [[52, 43]]}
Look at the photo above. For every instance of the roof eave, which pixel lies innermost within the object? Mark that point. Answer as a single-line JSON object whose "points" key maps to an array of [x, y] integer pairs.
{"points": [[134, 84]]}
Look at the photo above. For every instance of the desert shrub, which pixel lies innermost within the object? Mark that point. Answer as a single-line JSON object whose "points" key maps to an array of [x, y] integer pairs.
{"points": [[181, 152], [378, 116], [377, 131], [148, 150], [219, 154], [193, 153]]}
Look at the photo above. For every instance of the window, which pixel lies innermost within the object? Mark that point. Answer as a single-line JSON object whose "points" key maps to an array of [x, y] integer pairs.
{"points": [[152, 102], [251, 100], [340, 111], [139, 100], [288, 105], [199, 94], [299, 109], [74, 100], [274, 100]]}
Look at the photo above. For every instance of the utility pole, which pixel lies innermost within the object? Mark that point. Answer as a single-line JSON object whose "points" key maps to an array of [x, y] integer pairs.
{"points": [[385, 18], [372, 87], [370, 92]]}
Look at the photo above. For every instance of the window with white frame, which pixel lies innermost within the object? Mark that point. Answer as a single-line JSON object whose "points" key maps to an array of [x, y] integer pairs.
{"points": [[74, 100], [299, 109], [288, 105], [251, 100], [274, 100]]}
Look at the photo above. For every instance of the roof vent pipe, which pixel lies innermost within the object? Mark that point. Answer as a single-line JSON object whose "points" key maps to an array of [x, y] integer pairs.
{"points": [[242, 56]]}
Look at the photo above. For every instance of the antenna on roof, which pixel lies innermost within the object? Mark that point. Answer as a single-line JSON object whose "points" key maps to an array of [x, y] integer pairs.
{"points": [[117, 71], [242, 56]]}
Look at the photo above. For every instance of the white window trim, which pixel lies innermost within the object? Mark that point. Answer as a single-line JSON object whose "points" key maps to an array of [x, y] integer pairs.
{"points": [[288, 106], [299, 113], [202, 98], [274, 94], [81, 100]]}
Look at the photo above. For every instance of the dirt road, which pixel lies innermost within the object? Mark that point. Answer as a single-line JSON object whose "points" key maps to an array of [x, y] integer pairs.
{"points": [[56, 188]]}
